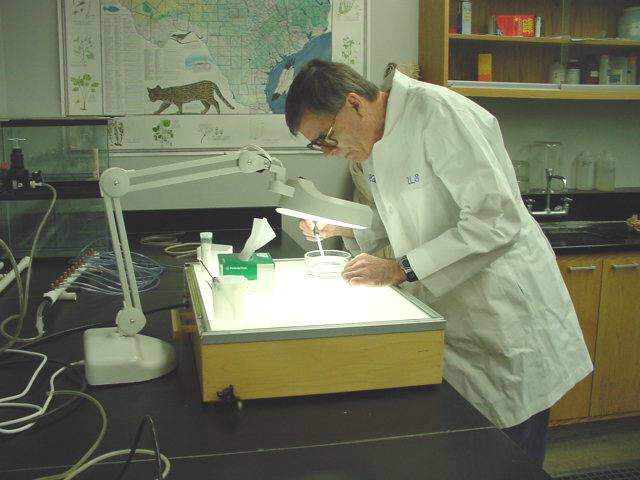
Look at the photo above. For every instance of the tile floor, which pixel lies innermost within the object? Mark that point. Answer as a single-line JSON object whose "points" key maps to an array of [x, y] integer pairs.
{"points": [[612, 446]]}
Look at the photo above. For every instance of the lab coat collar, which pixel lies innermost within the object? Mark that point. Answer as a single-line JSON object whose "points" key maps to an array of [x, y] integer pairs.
{"points": [[397, 84]]}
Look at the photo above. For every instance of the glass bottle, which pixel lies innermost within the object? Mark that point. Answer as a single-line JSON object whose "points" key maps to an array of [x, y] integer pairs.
{"points": [[573, 71]]}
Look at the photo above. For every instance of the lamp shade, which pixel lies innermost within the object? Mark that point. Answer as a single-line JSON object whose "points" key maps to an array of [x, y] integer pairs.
{"points": [[309, 204]]}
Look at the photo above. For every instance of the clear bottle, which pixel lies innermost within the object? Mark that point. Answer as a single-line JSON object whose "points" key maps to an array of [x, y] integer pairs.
{"points": [[206, 243], [585, 171], [606, 173], [556, 72]]}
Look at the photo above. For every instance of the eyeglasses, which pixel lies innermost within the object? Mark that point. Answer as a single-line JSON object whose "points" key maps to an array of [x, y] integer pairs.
{"points": [[324, 140]]}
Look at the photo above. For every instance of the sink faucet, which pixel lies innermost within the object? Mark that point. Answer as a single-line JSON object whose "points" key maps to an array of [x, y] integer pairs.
{"points": [[558, 211]]}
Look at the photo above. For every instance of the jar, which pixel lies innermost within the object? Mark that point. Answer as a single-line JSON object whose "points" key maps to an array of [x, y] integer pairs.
{"points": [[629, 24], [606, 173], [573, 71], [585, 171], [543, 155], [556, 73]]}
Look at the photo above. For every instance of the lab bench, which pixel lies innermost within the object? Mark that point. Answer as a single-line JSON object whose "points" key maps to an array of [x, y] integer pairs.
{"points": [[399, 433]]}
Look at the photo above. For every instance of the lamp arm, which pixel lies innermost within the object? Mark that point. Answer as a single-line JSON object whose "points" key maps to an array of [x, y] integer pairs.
{"points": [[117, 182]]}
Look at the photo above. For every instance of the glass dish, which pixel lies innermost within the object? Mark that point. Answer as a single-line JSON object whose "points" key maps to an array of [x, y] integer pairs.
{"points": [[329, 265]]}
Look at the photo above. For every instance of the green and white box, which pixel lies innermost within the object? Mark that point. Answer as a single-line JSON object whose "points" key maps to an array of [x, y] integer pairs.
{"points": [[259, 270]]}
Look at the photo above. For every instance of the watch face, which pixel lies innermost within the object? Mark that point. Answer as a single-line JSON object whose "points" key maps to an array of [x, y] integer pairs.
{"points": [[404, 263]]}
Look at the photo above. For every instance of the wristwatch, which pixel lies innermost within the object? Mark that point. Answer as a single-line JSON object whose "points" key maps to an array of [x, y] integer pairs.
{"points": [[406, 266]]}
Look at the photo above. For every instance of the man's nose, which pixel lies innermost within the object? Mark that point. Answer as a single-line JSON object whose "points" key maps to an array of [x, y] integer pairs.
{"points": [[329, 151]]}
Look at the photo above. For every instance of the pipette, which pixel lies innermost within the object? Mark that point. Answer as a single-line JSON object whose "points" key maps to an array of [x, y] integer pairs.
{"points": [[316, 233]]}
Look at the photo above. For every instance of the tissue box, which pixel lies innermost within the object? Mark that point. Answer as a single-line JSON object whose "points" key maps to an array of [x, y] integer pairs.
{"points": [[259, 270]]}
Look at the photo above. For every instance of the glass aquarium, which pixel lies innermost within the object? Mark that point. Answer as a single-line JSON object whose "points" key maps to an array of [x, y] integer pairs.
{"points": [[70, 153]]}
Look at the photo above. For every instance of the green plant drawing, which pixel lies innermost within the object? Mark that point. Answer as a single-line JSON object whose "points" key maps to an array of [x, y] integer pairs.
{"points": [[83, 47], [345, 6], [83, 85], [163, 133], [347, 50]]}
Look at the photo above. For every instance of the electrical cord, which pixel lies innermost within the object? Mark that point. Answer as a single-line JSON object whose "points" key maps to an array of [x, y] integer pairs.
{"points": [[84, 464], [69, 367], [146, 420], [82, 328], [29, 421], [25, 297]]}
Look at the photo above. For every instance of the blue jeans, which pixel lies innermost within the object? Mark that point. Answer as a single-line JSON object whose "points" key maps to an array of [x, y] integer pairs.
{"points": [[531, 436]]}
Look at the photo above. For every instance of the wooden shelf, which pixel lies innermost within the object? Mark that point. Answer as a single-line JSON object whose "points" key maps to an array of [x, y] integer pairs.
{"points": [[505, 39], [551, 93], [559, 40]]}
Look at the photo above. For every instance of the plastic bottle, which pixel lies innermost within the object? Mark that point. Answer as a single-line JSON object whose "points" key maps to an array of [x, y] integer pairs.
{"points": [[556, 73], [206, 242], [464, 17], [585, 171], [606, 173]]}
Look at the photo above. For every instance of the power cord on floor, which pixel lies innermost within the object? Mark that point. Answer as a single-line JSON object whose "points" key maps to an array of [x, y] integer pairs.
{"points": [[84, 463]]}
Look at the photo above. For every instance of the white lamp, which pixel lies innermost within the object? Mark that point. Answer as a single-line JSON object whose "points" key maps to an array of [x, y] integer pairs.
{"points": [[120, 354]]}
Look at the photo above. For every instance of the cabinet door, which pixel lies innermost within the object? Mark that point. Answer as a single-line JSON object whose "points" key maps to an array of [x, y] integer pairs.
{"points": [[582, 275], [616, 385]]}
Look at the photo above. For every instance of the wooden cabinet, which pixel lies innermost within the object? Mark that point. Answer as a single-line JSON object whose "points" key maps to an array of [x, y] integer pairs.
{"points": [[616, 381], [582, 275], [577, 29], [605, 290]]}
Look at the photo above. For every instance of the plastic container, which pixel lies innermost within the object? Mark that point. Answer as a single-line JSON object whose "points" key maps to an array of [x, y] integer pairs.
{"points": [[629, 24], [521, 167], [556, 73], [618, 72], [606, 173], [585, 171], [464, 17], [329, 265]]}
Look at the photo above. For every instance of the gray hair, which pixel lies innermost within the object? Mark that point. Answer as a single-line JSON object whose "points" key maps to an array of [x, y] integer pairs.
{"points": [[321, 87]]}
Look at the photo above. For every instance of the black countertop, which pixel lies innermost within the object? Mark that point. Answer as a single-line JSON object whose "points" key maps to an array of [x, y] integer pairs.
{"points": [[404, 433], [584, 237]]}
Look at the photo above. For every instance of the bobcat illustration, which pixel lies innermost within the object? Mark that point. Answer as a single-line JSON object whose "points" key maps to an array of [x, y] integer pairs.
{"points": [[181, 94]]}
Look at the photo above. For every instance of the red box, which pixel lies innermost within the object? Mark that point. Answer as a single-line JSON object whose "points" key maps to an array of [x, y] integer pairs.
{"points": [[516, 25]]}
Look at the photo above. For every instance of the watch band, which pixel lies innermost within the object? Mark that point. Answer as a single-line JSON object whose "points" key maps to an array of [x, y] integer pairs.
{"points": [[406, 266]]}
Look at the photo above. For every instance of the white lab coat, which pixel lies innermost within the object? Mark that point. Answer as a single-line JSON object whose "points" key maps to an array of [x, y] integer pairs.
{"points": [[446, 196]]}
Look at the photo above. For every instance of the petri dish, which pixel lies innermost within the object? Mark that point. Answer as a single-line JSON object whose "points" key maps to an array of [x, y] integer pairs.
{"points": [[329, 265]]}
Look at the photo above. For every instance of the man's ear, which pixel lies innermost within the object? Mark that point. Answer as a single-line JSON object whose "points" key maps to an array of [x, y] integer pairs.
{"points": [[354, 101]]}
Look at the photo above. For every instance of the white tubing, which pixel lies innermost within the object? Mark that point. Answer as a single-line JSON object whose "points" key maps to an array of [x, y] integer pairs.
{"points": [[6, 280]]}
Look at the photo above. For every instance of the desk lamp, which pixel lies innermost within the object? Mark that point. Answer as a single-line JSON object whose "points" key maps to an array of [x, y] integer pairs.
{"points": [[121, 354]]}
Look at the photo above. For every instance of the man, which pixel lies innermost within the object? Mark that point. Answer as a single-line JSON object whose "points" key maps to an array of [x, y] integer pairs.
{"points": [[448, 203]]}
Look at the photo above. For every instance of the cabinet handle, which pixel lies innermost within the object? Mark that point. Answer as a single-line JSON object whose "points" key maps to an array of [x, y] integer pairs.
{"points": [[578, 269], [626, 265]]}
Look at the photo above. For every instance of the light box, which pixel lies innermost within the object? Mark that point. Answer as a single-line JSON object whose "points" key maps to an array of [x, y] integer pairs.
{"points": [[313, 336]]}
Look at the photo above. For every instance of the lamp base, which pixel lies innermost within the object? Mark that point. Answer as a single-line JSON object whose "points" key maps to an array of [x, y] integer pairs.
{"points": [[111, 357]]}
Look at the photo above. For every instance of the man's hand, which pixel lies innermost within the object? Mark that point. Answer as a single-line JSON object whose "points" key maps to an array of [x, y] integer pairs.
{"points": [[324, 230], [366, 269]]}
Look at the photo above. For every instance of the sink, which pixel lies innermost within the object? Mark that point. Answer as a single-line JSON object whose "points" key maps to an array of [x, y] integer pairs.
{"points": [[578, 235]]}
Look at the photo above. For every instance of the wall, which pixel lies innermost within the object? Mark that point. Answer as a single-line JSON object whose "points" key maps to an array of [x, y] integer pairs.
{"points": [[30, 40], [33, 89]]}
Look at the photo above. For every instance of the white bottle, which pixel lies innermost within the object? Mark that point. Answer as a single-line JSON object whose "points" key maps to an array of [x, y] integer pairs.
{"points": [[606, 173], [618, 71], [585, 171], [605, 70], [556, 73]]}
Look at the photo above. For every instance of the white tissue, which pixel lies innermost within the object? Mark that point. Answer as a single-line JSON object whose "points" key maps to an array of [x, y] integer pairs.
{"points": [[261, 234]]}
